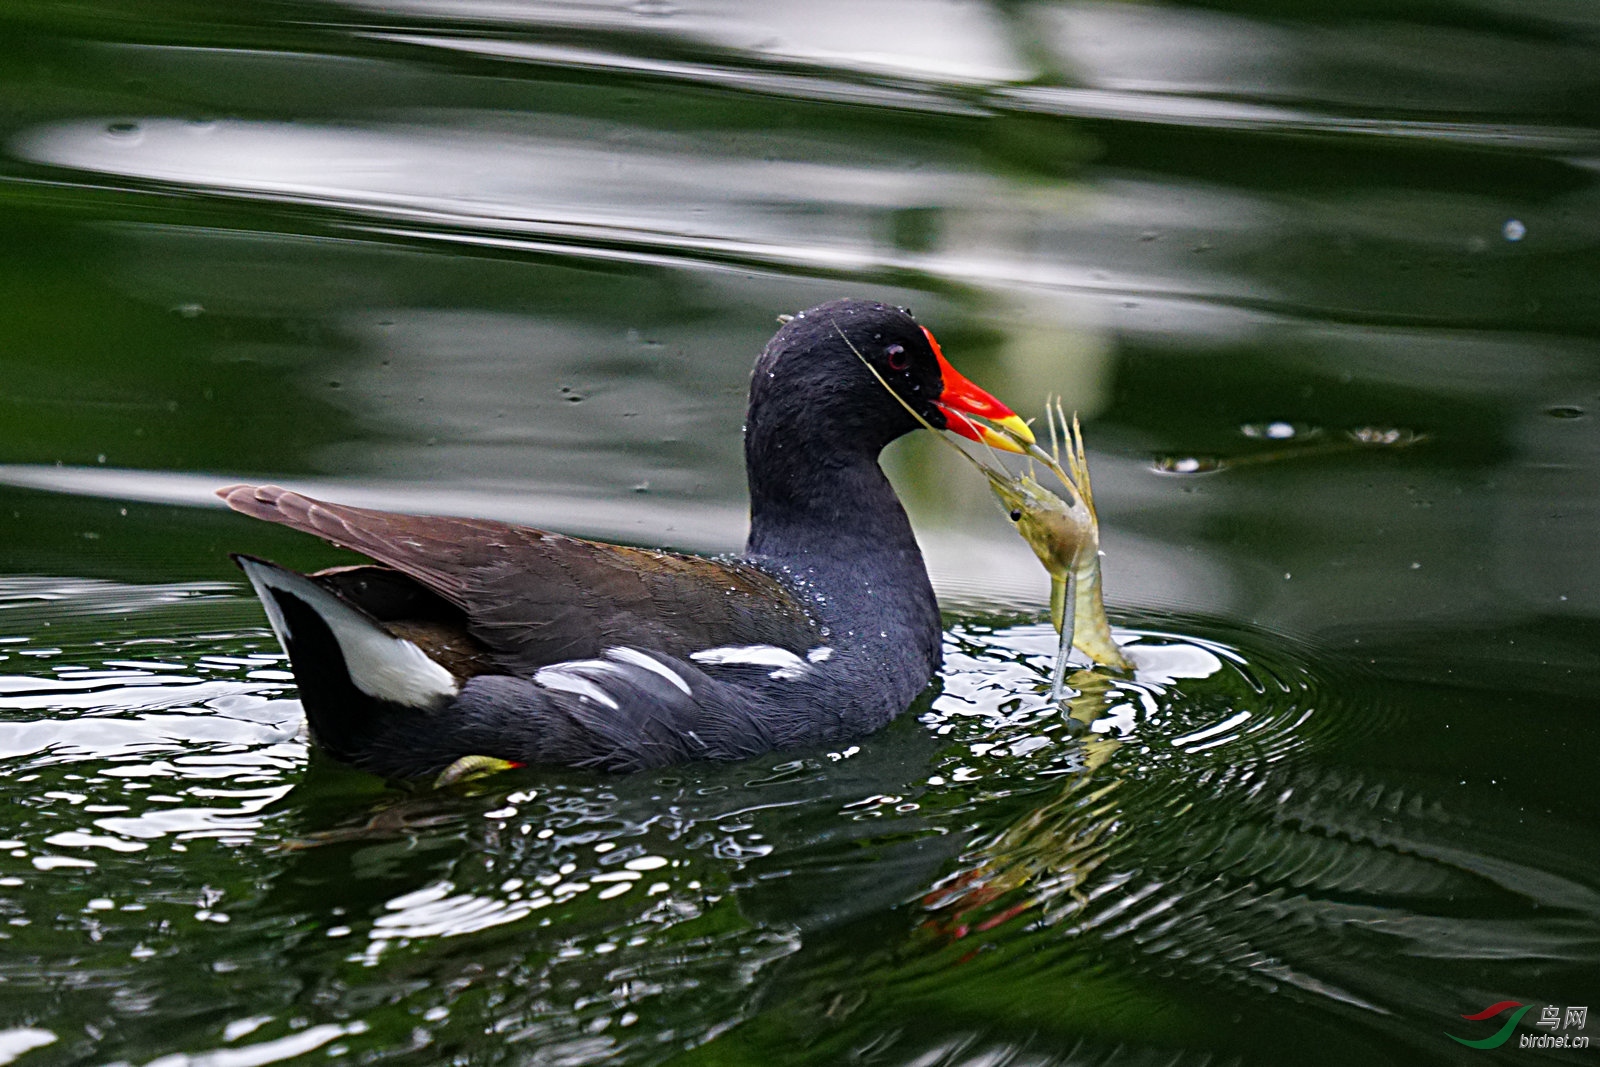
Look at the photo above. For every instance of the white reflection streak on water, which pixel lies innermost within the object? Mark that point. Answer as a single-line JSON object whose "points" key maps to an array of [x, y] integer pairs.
{"points": [[803, 86], [1162, 105], [119, 715], [187, 823], [947, 39], [265, 1052], [435, 911], [136, 694], [92, 597], [708, 527], [474, 167], [496, 184], [965, 568], [216, 719], [1228, 114]]}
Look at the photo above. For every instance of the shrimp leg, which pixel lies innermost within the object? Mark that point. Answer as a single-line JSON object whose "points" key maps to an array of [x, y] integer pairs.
{"points": [[1063, 595]]}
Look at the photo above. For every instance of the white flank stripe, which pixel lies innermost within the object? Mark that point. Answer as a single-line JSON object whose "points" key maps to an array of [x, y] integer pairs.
{"points": [[649, 663], [748, 656], [818, 654], [565, 678]]}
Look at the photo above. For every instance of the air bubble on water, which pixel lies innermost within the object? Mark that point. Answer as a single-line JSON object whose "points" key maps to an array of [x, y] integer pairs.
{"points": [[1514, 230], [125, 132], [1277, 430], [1383, 435], [1187, 464]]}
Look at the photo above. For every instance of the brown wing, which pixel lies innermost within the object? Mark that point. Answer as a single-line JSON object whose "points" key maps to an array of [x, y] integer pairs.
{"points": [[534, 597]]}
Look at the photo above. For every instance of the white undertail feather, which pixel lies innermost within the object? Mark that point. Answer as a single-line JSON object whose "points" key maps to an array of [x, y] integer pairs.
{"points": [[381, 665]]}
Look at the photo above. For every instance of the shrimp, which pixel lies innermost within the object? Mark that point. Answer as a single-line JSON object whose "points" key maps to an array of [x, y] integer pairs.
{"points": [[1064, 534]]}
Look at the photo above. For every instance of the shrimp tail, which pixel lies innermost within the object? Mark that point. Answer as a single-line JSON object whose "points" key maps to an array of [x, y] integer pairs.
{"points": [[1059, 600], [1092, 634]]}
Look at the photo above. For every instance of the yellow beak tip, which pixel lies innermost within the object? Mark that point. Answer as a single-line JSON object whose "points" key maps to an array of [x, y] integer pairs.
{"points": [[1005, 442], [1014, 425], [1016, 428]]}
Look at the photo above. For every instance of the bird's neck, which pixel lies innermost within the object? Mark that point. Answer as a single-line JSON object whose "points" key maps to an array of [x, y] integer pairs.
{"points": [[835, 529], [829, 505]]}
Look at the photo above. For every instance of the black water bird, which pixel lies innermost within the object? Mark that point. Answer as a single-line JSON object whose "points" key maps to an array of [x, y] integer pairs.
{"points": [[476, 638]]}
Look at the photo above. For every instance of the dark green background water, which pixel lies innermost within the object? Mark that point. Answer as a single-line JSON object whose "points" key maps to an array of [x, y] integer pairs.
{"points": [[515, 259]]}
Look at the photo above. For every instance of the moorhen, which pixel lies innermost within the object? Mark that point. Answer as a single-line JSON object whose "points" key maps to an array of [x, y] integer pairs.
{"points": [[473, 638]]}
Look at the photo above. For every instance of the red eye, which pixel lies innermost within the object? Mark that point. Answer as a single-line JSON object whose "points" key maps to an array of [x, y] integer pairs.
{"points": [[898, 360]]}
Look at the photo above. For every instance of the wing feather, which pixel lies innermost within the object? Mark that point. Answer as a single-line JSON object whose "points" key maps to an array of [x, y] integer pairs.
{"points": [[534, 597]]}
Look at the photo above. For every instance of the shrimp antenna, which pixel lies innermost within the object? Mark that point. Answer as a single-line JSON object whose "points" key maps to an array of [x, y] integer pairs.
{"points": [[1050, 419], [1052, 459], [1077, 457]]}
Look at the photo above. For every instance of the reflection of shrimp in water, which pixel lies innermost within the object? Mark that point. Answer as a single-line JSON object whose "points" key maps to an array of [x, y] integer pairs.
{"points": [[1065, 536]]}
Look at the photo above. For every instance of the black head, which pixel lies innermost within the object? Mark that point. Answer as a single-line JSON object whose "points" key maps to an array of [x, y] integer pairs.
{"points": [[812, 384]]}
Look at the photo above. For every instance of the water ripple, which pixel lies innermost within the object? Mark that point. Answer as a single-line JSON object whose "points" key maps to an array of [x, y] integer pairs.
{"points": [[1180, 824], [1189, 838]]}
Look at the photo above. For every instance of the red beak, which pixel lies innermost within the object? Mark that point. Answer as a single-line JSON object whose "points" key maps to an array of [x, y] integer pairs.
{"points": [[961, 398]]}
